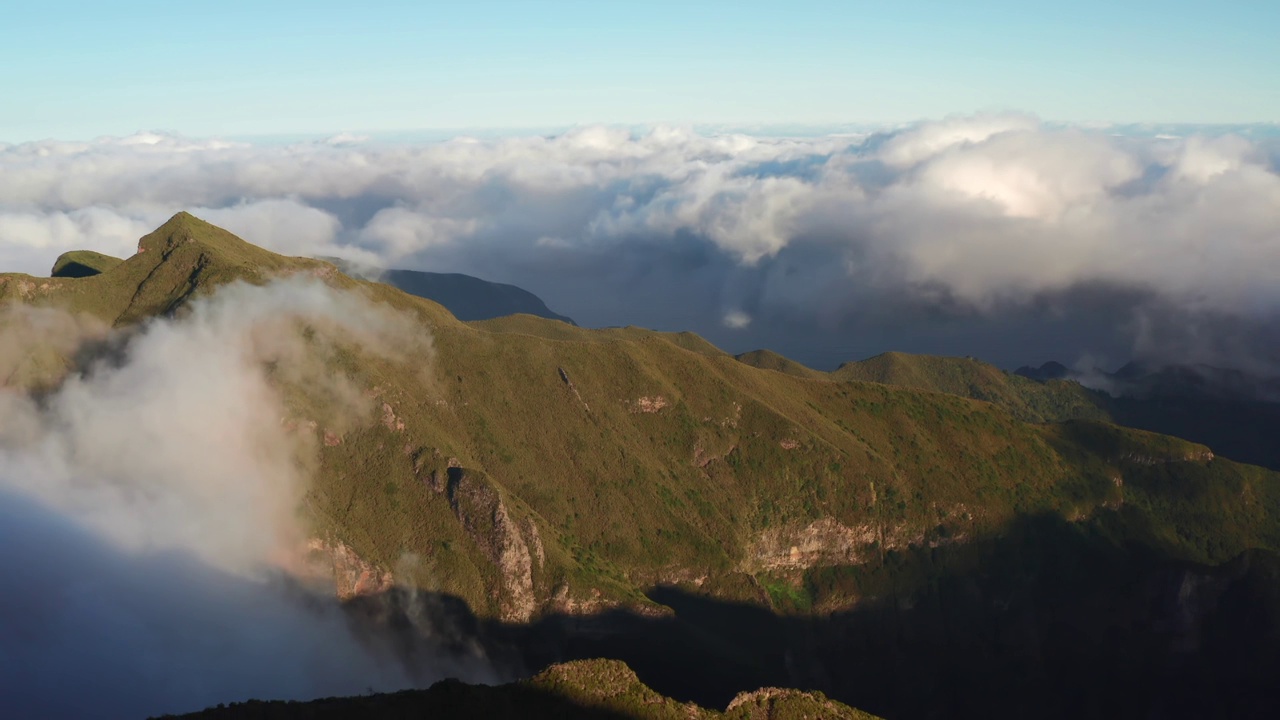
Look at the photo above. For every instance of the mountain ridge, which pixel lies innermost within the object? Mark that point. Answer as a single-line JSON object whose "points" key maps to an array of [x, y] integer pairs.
{"points": [[469, 298], [544, 470]]}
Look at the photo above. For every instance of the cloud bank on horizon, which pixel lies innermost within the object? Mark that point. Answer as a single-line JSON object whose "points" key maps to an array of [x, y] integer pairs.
{"points": [[994, 235]]}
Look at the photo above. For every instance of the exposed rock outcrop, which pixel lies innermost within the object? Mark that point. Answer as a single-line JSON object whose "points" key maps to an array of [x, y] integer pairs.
{"points": [[479, 506], [352, 575], [820, 543], [649, 405]]}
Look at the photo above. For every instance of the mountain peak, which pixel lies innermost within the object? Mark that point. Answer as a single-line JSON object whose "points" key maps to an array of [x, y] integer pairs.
{"points": [[769, 360], [185, 228]]}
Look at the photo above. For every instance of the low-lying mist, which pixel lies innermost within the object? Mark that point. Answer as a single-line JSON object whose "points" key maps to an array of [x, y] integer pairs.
{"points": [[150, 533]]}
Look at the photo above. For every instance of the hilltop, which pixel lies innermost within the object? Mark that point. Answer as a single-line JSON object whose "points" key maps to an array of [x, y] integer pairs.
{"points": [[468, 298], [82, 263], [583, 690], [723, 524]]}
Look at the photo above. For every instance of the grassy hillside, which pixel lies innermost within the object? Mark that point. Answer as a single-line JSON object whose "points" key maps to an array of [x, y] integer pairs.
{"points": [[533, 469], [1219, 408], [770, 360], [1026, 399], [536, 466]]}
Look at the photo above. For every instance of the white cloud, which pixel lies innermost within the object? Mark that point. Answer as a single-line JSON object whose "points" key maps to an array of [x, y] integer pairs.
{"points": [[182, 446], [346, 138], [736, 319], [929, 139], [150, 504], [283, 225], [30, 240], [396, 231], [992, 208], [1203, 159], [1033, 174]]}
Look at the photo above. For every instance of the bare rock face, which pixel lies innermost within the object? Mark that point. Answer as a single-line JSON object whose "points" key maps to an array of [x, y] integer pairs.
{"points": [[822, 542], [649, 405], [530, 529], [479, 506], [352, 575]]}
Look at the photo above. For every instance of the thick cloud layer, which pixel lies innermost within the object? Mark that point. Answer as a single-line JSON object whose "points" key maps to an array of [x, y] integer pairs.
{"points": [[149, 511], [996, 236]]}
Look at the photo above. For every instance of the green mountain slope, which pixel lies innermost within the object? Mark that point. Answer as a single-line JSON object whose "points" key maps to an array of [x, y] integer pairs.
{"points": [[632, 460], [537, 470], [1025, 399], [1223, 409], [1235, 413], [770, 360]]}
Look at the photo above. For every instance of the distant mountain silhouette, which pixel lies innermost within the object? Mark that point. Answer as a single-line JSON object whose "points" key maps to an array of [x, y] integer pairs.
{"points": [[467, 297], [1235, 413], [1152, 380], [1048, 371]]}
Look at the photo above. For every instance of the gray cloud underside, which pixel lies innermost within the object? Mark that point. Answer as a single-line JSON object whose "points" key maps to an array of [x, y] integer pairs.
{"points": [[995, 236]]}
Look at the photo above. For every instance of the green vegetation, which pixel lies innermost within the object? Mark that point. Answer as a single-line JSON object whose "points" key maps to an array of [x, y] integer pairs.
{"points": [[1025, 399], [770, 360], [543, 467]]}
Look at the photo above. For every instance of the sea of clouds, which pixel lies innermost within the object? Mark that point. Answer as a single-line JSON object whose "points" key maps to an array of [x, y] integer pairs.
{"points": [[148, 504], [998, 236]]}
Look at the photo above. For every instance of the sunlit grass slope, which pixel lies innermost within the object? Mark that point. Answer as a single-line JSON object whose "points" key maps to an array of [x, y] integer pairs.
{"points": [[532, 466]]}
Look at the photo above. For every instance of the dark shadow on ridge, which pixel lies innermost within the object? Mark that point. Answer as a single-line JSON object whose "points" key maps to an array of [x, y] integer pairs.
{"points": [[76, 270], [446, 700], [1049, 619]]}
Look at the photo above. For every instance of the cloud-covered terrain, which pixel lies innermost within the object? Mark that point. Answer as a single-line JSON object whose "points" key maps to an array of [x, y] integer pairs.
{"points": [[149, 512], [995, 236]]}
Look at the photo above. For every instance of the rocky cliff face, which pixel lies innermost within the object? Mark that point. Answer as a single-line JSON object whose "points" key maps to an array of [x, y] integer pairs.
{"points": [[352, 576], [480, 509], [822, 542]]}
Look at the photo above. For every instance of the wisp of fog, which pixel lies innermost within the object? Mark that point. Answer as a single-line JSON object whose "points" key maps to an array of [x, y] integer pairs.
{"points": [[149, 508]]}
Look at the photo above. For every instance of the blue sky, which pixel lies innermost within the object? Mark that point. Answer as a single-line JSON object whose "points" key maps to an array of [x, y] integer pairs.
{"points": [[77, 70]]}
